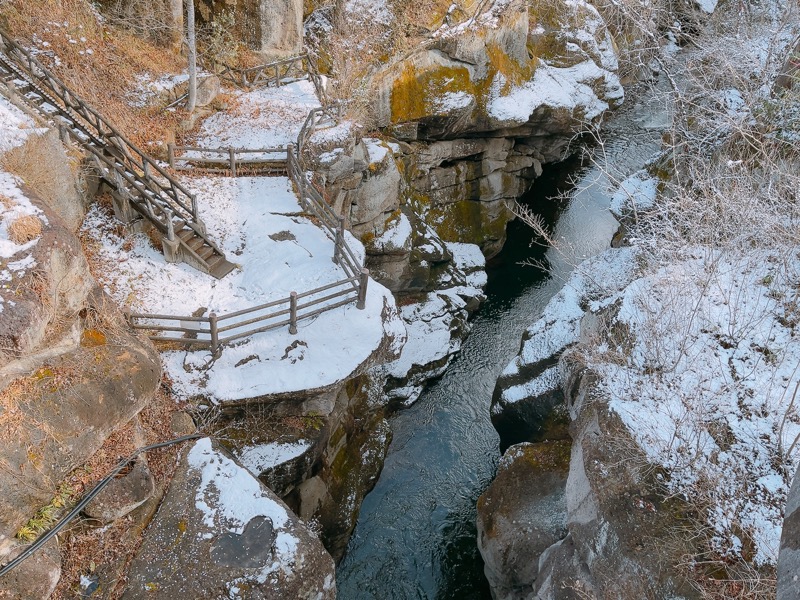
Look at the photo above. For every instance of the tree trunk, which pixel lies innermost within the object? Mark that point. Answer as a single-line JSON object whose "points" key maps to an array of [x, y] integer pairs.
{"points": [[192, 41]]}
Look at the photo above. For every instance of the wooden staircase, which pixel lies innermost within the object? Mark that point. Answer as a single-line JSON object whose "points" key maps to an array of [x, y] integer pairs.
{"points": [[140, 186]]}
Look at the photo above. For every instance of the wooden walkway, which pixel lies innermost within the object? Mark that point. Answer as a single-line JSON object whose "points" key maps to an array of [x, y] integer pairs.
{"points": [[140, 186]]}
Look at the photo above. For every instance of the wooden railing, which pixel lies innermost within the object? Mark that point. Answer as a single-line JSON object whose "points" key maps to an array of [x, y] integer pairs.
{"points": [[91, 127], [276, 73], [216, 330], [136, 177], [281, 72], [271, 160]]}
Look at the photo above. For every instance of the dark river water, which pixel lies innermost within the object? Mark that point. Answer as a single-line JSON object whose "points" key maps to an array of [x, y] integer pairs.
{"points": [[416, 535]]}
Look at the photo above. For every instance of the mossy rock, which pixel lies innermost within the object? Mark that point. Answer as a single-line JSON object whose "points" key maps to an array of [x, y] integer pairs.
{"points": [[468, 221]]}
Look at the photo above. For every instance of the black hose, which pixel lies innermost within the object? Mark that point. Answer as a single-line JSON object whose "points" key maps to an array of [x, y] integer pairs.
{"points": [[45, 537]]}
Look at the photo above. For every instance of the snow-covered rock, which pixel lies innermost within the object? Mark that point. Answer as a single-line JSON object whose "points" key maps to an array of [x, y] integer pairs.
{"points": [[221, 533], [437, 324], [549, 59]]}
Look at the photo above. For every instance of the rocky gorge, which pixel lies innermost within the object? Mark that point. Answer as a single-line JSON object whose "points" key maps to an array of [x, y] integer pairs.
{"points": [[462, 119]]}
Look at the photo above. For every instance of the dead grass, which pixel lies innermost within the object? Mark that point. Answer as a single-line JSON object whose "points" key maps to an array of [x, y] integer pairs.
{"points": [[24, 229], [71, 28], [11, 415]]}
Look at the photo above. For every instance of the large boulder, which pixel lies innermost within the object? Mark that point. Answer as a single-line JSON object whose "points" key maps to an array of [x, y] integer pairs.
{"points": [[220, 533], [522, 514]]}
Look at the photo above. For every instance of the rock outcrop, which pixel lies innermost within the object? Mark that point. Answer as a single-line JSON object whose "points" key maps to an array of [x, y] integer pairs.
{"points": [[321, 461], [221, 533], [522, 514], [273, 28], [71, 372]]}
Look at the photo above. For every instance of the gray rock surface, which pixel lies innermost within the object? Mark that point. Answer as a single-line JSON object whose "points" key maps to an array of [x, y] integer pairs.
{"points": [[36, 577], [221, 533], [77, 371], [123, 494], [522, 514]]}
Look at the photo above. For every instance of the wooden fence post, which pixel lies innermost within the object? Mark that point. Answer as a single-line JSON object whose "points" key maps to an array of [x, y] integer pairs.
{"points": [[337, 247], [212, 321], [362, 289], [171, 155], [232, 157], [293, 313]]}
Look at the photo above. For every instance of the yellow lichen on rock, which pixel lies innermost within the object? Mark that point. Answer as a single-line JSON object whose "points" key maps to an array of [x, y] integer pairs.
{"points": [[418, 93]]}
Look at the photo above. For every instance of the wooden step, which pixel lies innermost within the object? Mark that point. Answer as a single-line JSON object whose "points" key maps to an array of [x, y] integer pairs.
{"points": [[38, 92], [206, 252], [195, 243], [218, 266]]}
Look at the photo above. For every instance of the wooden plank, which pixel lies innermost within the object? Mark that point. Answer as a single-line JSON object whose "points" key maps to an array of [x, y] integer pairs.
{"points": [[325, 309], [157, 338], [325, 288], [273, 315], [325, 298], [167, 317], [239, 336]]}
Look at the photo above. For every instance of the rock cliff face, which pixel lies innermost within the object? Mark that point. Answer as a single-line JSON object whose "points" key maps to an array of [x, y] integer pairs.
{"points": [[71, 373], [325, 459], [619, 537], [273, 28], [476, 107]]}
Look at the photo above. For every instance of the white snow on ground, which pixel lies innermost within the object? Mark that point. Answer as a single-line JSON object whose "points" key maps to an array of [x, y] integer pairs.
{"points": [[15, 126], [13, 205], [147, 89], [242, 214], [707, 386], [375, 10], [258, 459], [704, 377], [266, 118]]}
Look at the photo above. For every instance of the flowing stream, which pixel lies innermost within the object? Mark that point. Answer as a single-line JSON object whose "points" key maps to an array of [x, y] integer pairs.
{"points": [[416, 535]]}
